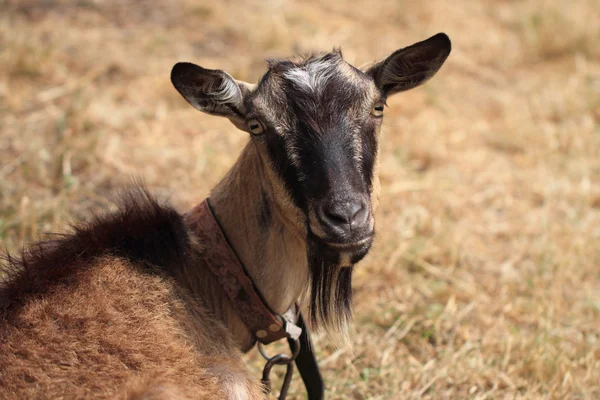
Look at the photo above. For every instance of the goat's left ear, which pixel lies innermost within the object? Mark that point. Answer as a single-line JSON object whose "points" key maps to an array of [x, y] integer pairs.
{"points": [[411, 66], [211, 90]]}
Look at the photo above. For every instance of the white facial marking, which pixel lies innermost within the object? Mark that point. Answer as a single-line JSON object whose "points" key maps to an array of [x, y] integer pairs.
{"points": [[311, 77]]}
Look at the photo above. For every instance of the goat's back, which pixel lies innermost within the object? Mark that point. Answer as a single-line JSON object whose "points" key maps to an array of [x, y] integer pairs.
{"points": [[115, 331], [99, 314]]}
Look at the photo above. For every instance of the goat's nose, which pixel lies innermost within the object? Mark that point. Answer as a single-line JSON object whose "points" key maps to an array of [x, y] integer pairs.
{"points": [[347, 215]]}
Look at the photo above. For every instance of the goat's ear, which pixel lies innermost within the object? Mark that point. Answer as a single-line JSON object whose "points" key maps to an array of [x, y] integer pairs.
{"points": [[411, 66], [211, 91]]}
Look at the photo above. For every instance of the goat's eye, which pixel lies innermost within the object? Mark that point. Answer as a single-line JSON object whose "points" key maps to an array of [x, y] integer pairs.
{"points": [[255, 126], [377, 110]]}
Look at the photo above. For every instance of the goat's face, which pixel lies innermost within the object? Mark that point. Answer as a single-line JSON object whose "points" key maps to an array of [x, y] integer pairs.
{"points": [[315, 122]]}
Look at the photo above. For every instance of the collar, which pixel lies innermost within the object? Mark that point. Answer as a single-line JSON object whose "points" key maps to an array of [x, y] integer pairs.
{"points": [[244, 296]]}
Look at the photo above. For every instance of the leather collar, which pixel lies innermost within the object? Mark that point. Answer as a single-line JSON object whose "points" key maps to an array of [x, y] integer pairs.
{"points": [[245, 298]]}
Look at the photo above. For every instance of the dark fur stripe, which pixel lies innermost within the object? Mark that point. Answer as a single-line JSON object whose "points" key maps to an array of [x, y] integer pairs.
{"points": [[150, 235], [369, 155], [265, 217]]}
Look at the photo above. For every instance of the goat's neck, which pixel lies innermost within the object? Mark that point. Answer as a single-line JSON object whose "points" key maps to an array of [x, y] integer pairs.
{"points": [[271, 247]]}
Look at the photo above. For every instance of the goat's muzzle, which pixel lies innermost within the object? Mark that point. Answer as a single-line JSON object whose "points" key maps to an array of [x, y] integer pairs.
{"points": [[344, 221], [344, 226]]}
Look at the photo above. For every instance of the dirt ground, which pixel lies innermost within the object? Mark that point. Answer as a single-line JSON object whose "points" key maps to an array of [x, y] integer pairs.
{"points": [[484, 281]]}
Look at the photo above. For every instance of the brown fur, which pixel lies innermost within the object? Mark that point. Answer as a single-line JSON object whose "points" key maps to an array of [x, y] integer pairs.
{"points": [[80, 321], [107, 335]]}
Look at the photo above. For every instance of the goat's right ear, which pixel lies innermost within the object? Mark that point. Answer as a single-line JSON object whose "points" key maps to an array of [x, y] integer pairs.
{"points": [[211, 90], [411, 66]]}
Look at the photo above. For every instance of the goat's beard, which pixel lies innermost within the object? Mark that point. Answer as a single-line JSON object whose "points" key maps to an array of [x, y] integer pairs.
{"points": [[330, 304]]}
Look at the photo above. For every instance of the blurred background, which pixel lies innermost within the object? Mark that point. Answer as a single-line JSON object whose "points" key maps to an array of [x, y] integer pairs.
{"points": [[484, 281]]}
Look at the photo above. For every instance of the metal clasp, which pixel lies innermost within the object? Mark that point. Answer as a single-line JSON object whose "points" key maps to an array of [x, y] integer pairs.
{"points": [[288, 319]]}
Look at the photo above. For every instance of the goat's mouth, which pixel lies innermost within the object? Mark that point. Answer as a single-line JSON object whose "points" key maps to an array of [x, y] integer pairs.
{"points": [[349, 246], [351, 252], [343, 250]]}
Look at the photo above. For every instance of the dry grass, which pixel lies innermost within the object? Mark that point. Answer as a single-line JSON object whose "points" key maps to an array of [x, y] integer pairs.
{"points": [[485, 278]]}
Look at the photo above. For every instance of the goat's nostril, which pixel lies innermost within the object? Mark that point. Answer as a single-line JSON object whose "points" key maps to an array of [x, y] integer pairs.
{"points": [[354, 208], [361, 214], [337, 215], [345, 213]]}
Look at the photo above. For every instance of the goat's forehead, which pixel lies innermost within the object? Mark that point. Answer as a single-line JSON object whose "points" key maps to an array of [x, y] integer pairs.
{"points": [[314, 76]]}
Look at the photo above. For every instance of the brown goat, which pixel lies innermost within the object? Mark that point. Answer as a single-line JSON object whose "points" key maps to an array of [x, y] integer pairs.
{"points": [[126, 307]]}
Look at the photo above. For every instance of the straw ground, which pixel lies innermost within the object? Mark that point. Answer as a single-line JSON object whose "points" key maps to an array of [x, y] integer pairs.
{"points": [[484, 281]]}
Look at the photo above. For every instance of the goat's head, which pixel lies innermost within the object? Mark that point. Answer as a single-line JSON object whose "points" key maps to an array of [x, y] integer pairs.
{"points": [[315, 122]]}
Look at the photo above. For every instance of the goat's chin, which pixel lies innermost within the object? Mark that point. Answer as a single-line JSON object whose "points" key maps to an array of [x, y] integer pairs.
{"points": [[331, 268]]}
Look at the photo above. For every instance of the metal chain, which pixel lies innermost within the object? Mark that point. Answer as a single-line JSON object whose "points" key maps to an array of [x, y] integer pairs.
{"points": [[279, 359]]}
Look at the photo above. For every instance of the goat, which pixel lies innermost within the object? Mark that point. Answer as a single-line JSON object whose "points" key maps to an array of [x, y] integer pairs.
{"points": [[125, 306]]}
